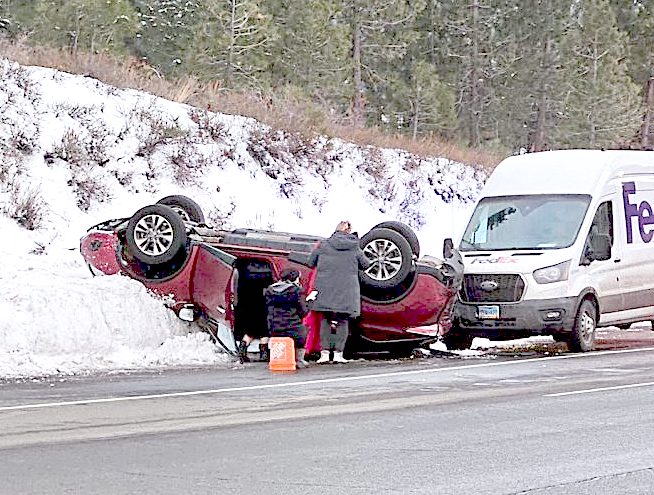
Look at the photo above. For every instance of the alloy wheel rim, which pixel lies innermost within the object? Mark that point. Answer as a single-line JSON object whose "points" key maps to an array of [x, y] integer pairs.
{"points": [[386, 259], [587, 326], [181, 212], [153, 235]]}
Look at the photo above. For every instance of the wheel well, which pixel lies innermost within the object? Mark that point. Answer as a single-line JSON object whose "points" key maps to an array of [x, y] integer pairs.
{"points": [[592, 297]]}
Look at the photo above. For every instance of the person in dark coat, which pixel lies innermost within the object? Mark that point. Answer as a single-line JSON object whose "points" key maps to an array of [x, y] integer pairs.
{"points": [[338, 294], [286, 306]]}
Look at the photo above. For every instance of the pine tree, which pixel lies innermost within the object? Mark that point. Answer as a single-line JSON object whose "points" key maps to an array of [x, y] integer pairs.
{"points": [[310, 51], [530, 90], [637, 20], [379, 37], [108, 26], [602, 103], [167, 28], [231, 44]]}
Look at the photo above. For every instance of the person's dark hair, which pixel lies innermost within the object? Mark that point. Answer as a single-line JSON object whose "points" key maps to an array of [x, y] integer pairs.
{"points": [[289, 274]]}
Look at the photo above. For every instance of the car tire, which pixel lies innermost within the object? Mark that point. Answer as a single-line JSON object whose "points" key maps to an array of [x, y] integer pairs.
{"points": [[582, 338], [391, 257], [155, 234], [188, 209], [406, 231]]}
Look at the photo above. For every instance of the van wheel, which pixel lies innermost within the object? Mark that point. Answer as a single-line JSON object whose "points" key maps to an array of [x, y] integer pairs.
{"points": [[185, 207], [582, 338], [624, 326], [391, 258], [155, 234], [406, 231]]}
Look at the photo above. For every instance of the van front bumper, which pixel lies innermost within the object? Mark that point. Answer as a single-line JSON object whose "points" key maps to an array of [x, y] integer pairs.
{"points": [[531, 317]]}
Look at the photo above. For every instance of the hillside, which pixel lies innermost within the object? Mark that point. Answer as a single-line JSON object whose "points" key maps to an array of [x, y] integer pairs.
{"points": [[75, 151]]}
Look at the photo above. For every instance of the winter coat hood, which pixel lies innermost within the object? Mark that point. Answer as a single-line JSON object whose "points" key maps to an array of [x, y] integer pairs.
{"points": [[343, 242]]}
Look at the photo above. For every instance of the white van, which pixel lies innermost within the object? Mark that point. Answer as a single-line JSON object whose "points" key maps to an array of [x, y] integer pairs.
{"points": [[560, 243]]}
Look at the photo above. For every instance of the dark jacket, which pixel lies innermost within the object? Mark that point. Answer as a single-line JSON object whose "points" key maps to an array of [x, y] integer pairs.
{"points": [[337, 261], [286, 306]]}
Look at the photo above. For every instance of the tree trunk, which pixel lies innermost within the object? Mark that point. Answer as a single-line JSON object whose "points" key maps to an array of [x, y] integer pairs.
{"points": [[475, 110], [416, 115], [357, 98], [647, 143], [538, 142]]}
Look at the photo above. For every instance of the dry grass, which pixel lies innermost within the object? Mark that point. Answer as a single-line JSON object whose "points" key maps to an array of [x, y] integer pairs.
{"points": [[281, 112]]}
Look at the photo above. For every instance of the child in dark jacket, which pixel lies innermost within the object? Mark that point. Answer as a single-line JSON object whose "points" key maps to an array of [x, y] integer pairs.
{"points": [[286, 306]]}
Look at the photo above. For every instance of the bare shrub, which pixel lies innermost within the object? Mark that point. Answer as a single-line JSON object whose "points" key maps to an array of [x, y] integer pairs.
{"points": [[411, 205], [87, 189], [11, 163], [23, 142], [25, 206], [208, 125], [155, 130], [220, 219], [21, 78], [373, 164], [187, 165], [283, 111], [82, 158]]}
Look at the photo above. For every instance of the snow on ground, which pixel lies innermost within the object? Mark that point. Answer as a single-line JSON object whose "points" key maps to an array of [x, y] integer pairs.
{"points": [[88, 152]]}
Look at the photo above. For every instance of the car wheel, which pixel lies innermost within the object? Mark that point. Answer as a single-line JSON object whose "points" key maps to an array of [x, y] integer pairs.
{"points": [[155, 234], [391, 258], [185, 207], [582, 338], [406, 231]]}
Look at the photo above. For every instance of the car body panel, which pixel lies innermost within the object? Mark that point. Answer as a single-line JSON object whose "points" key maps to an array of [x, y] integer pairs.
{"points": [[206, 280]]}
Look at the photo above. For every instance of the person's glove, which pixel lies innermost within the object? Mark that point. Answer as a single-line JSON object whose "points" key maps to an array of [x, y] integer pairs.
{"points": [[312, 295]]}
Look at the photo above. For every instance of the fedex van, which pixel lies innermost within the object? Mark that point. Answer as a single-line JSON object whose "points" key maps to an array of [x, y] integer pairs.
{"points": [[560, 243]]}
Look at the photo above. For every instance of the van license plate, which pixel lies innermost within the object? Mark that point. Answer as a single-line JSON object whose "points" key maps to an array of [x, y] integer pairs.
{"points": [[488, 312]]}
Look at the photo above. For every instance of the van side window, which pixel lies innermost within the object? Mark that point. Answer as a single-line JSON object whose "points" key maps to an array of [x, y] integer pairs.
{"points": [[599, 242], [603, 220]]}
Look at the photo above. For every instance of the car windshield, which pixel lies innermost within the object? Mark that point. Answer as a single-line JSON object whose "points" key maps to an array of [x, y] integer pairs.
{"points": [[525, 222]]}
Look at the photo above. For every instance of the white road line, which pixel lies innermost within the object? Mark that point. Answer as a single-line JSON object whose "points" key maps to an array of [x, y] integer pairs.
{"points": [[313, 382], [600, 389]]}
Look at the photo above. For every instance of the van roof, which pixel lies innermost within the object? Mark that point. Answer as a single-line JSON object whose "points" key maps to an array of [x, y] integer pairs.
{"points": [[565, 171]]}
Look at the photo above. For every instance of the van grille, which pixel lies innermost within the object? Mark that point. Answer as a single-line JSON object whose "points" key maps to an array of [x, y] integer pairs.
{"points": [[509, 288]]}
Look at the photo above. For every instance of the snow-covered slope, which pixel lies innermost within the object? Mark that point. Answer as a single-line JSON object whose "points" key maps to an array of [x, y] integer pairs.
{"points": [[74, 152]]}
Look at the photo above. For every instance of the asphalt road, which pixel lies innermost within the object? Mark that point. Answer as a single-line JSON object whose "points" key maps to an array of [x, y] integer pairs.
{"points": [[564, 424]]}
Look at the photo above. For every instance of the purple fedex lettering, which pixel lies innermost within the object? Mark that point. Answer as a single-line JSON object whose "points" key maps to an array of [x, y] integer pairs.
{"points": [[643, 212]]}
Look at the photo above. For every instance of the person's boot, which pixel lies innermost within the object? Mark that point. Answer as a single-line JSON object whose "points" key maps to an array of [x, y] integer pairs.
{"points": [[264, 352], [324, 357], [338, 358], [243, 352], [299, 359]]}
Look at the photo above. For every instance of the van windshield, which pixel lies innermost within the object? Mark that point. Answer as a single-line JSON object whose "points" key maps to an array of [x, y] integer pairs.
{"points": [[525, 222]]}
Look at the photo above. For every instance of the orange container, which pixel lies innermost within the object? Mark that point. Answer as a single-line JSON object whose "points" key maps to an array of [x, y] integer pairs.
{"points": [[282, 354]]}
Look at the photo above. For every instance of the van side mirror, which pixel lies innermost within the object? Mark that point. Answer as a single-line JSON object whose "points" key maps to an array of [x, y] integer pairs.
{"points": [[448, 246]]}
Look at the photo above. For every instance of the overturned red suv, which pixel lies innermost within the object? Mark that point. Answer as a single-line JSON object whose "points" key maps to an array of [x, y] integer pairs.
{"points": [[206, 273]]}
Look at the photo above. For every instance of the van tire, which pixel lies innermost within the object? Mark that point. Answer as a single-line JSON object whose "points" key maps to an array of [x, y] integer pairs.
{"points": [[582, 338], [406, 231], [391, 257], [188, 209], [155, 234]]}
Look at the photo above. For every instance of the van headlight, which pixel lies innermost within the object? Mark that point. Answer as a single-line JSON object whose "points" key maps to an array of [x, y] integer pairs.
{"points": [[555, 273]]}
